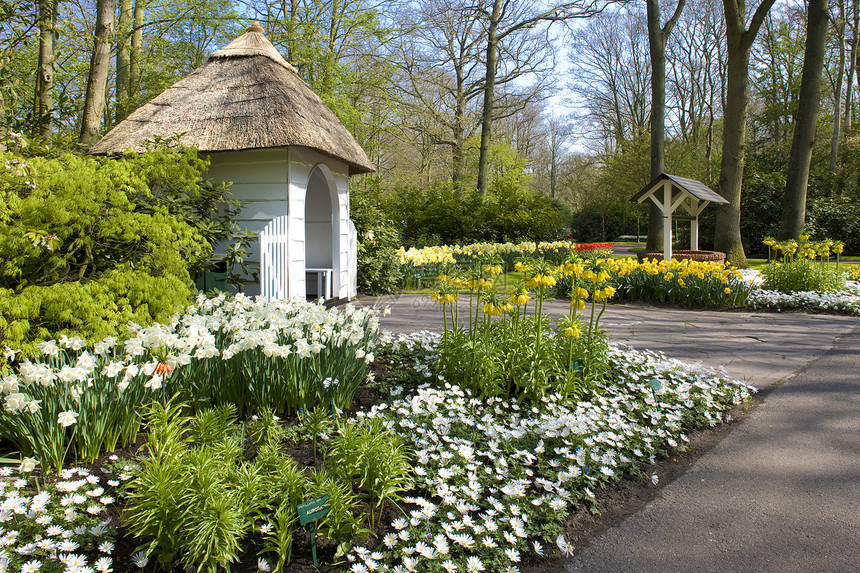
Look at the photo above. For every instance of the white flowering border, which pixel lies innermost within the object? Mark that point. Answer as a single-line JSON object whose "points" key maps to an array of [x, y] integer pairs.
{"points": [[76, 400], [57, 526], [500, 478], [847, 301]]}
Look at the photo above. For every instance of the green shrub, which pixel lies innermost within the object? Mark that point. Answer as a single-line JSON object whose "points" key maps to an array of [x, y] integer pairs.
{"points": [[443, 214], [199, 494], [379, 268], [88, 244], [802, 275], [375, 458], [521, 352]]}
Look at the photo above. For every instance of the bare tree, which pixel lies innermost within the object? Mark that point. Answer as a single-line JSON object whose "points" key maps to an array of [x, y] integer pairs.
{"points": [[610, 75], [852, 66], [559, 132], [443, 73], [838, 22], [504, 19], [695, 56], [440, 76]]}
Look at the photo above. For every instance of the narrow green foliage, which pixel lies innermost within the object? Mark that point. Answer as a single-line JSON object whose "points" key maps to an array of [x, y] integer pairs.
{"points": [[374, 458]]}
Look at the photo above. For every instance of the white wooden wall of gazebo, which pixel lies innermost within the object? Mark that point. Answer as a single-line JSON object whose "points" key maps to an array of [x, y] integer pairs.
{"points": [[298, 201]]}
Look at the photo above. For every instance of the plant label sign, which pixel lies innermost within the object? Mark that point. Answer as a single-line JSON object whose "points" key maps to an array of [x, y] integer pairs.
{"points": [[309, 511], [655, 387], [313, 509]]}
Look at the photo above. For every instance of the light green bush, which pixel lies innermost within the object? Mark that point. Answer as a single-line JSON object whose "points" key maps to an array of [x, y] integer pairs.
{"points": [[87, 244]]}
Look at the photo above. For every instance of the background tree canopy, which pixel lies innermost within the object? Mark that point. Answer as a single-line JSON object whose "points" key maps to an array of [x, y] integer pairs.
{"points": [[411, 81]]}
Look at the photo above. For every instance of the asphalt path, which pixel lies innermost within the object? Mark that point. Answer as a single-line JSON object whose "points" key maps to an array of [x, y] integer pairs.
{"points": [[781, 492]]}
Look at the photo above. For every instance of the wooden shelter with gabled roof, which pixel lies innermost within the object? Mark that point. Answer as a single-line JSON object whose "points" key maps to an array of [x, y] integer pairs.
{"points": [[669, 192], [286, 153]]}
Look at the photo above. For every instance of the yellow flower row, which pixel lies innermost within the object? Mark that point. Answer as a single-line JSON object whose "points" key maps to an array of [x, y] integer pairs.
{"points": [[805, 249], [675, 269], [448, 254]]}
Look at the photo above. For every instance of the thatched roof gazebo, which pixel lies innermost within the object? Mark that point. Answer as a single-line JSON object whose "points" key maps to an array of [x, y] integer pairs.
{"points": [[287, 154]]}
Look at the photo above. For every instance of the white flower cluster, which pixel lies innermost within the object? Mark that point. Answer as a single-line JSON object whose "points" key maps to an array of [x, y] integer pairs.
{"points": [[60, 526], [226, 326], [19, 168], [219, 327], [847, 300], [498, 475]]}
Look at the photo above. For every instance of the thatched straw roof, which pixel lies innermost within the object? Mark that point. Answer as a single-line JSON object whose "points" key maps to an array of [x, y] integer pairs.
{"points": [[246, 96]]}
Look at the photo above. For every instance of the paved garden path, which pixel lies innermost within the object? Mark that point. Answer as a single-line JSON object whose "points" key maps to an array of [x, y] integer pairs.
{"points": [[781, 493]]}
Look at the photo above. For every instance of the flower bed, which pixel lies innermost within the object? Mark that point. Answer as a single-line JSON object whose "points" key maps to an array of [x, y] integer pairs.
{"points": [[497, 479], [490, 478], [845, 301], [78, 401]]}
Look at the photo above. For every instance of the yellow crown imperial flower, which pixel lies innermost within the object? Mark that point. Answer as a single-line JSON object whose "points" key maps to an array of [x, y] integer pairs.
{"points": [[577, 303], [519, 297], [580, 293], [572, 332]]}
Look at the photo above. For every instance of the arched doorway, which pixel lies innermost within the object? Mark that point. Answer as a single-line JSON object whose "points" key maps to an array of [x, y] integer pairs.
{"points": [[322, 235]]}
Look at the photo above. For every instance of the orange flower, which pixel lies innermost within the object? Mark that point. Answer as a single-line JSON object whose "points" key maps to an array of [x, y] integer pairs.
{"points": [[163, 368]]}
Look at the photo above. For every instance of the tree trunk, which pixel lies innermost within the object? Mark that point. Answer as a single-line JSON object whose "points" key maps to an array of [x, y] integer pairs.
{"points": [[44, 105], [839, 28], [657, 37], [123, 60], [135, 52], [489, 96], [292, 32], [852, 65], [94, 103], [727, 234], [794, 202]]}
